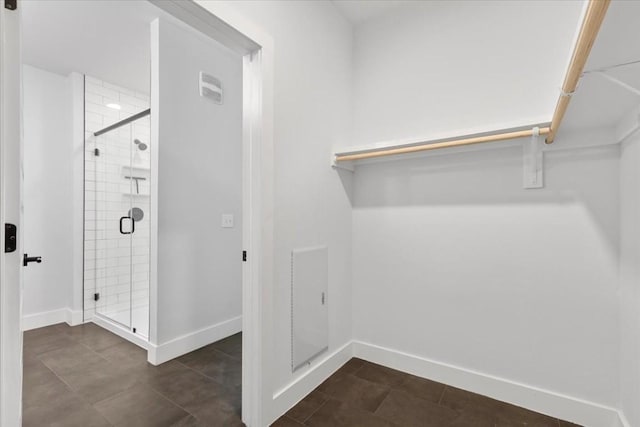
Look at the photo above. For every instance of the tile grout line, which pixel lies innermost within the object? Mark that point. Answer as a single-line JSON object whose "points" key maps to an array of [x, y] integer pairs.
{"points": [[200, 373], [91, 352], [224, 352], [292, 420], [442, 395], [171, 400], [314, 412], [153, 390], [72, 391]]}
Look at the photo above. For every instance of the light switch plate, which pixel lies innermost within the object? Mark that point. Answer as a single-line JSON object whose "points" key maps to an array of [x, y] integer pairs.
{"points": [[227, 220]]}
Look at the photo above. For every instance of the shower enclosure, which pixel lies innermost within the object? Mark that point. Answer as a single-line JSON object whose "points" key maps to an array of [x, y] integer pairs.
{"points": [[117, 227]]}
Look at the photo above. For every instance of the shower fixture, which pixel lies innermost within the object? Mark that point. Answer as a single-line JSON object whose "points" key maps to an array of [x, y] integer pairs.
{"points": [[141, 145], [136, 179]]}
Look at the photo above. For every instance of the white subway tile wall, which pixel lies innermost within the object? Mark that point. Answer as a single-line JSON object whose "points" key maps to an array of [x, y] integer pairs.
{"points": [[117, 180]]}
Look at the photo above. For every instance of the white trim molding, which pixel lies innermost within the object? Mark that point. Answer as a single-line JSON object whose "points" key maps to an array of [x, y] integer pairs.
{"points": [[48, 318], [161, 353], [533, 398], [536, 399], [319, 370], [74, 317], [223, 23]]}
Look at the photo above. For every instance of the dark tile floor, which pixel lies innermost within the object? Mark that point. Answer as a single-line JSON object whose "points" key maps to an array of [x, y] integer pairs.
{"points": [[86, 376], [363, 394]]}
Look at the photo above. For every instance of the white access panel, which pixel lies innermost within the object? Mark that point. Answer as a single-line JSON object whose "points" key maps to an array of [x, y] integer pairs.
{"points": [[309, 313]]}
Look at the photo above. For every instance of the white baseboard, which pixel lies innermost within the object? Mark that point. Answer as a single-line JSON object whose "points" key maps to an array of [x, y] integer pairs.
{"points": [[536, 399], [319, 370], [47, 318], [554, 404], [160, 353], [74, 317]]}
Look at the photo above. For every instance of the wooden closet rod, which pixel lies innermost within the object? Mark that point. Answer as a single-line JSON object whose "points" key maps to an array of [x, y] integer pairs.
{"points": [[444, 144], [596, 10]]}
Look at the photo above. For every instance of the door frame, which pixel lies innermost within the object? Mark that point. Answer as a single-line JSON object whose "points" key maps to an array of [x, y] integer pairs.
{"points": [[10, 212], [222, 23]]}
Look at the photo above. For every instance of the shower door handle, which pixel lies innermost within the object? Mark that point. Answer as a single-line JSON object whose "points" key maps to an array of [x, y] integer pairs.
{"points": [[133, 225]]}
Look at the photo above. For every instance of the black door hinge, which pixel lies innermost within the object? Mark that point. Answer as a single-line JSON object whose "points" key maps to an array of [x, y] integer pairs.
{"points": [[11, 4], [244, 256], [96, 296]]}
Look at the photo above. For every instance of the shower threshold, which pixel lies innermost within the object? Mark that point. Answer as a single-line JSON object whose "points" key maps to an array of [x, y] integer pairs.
{"points": [[118, 329]]}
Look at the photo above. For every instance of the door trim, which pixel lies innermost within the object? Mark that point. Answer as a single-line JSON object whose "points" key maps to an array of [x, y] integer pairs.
{"points": [[11, 212], [222, 23]]}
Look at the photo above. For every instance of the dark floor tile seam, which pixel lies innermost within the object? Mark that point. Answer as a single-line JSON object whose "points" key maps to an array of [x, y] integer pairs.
{"points": [[158, 392], [171, 400], [293, 420], [201, 373], [153, 390], [71, 389], [312, 413], [442, 394], [78, 342], [227, 354], [73, 392], [79, 339], [358, 368], [387, 393], [161, 394]]}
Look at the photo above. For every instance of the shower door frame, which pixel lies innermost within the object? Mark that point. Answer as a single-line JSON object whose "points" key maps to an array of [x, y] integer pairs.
{"points": [[223, 24], [102, 319]]}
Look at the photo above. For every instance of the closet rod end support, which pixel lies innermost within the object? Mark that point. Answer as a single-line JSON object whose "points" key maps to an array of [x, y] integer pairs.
{"points": [[345, 166]]}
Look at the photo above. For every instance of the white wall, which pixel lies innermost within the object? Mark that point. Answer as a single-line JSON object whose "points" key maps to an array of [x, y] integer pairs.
{"points": [[199, 167], [48, 192], [452, 259], [455, 262], [312, 104], [630, 280], [445, 68]]}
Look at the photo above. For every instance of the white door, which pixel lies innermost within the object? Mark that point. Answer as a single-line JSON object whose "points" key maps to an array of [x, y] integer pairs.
{"points": [[10, 213]]}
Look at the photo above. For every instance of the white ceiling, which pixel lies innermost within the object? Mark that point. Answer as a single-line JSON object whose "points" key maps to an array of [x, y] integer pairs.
{"points": [[91, 37], [359, 11], [69, 35], [599, 102]]}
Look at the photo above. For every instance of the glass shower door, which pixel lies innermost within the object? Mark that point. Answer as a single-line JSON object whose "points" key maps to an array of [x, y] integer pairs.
{"points": [[139, 172], [116, 225]]}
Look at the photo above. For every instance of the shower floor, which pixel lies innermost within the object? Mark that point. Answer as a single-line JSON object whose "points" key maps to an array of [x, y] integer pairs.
{"points": [[139, 319]]}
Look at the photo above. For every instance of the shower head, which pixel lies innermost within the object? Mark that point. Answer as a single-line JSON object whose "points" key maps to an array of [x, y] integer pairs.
{"points": [[141, 145]]}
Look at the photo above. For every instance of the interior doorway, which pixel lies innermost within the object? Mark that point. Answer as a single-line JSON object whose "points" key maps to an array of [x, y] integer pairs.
{"points": [[157, 343]]}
